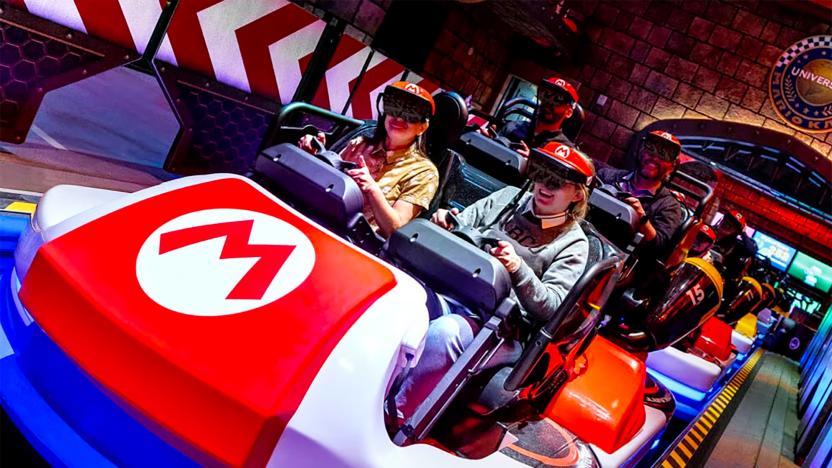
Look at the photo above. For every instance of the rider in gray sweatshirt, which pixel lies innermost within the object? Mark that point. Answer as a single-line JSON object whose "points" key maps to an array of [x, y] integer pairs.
{"points": [[542, 246]]}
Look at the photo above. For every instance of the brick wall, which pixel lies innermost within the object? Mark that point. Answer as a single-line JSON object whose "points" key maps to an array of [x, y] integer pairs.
{"points": [[703, 59], [471, 54]]}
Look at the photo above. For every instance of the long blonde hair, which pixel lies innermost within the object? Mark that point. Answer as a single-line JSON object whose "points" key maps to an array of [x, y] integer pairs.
{"points": [[579, 209]]}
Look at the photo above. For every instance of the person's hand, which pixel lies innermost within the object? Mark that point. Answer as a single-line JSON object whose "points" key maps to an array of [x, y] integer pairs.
{"points": [[636, 204], [504, 252], [440, 218], [305, 142], [523, 149], [487, 130], [362, 177]]}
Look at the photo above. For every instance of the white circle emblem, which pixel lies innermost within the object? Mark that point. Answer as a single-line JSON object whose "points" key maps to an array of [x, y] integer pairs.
{"points": [[223, 261]]}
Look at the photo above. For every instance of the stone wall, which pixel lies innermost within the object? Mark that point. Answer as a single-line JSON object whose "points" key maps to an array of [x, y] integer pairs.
{"points": [[701, 59], [471, 54]]}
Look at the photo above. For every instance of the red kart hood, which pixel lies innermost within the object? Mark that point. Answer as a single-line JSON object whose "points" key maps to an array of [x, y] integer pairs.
{"points": [[208, 307]]}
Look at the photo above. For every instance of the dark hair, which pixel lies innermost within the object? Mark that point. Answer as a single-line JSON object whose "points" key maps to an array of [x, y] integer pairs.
{"points": [[380, 135]]}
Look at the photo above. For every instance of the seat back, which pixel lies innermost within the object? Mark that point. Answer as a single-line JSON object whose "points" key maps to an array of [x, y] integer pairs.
{"points": [[572, 126], [446, 125], [613, 218], [694, 195], [318, 190]]}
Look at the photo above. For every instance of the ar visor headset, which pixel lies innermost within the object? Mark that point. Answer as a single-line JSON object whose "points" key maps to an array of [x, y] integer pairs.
{"points": [[552, 173], [665, 150], [399, 103]]}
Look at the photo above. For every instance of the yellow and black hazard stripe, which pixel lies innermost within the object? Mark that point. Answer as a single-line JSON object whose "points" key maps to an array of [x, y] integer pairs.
{"points": [[701, 433]]}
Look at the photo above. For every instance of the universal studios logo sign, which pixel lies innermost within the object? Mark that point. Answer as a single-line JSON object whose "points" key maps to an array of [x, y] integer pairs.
{"points": [[800, 85]]}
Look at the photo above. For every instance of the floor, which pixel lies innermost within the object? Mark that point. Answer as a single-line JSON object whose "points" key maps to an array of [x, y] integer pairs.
{"points": [[761, 431]]}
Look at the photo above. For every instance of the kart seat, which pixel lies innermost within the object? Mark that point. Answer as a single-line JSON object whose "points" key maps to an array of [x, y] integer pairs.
{"points": [[483, 288], [317, 189], [572, 126]]}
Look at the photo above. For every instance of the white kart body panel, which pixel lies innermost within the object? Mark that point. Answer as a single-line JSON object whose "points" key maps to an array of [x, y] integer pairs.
{"points": [[340, 422], [691, 370], [741, 342], [340, 419]]}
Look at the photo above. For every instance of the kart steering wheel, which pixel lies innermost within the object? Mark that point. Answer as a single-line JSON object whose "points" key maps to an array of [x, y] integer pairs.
{"points": [[330, 157], [470, 234]]}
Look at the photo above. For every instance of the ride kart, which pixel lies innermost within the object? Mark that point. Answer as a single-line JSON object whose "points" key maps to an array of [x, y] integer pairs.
{"points": [[219, 327]]}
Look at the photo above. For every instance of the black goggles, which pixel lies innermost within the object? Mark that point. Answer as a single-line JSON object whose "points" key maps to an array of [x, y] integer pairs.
{"points": [[547, 175], [667, 152], [405, 106], [551, 96]]}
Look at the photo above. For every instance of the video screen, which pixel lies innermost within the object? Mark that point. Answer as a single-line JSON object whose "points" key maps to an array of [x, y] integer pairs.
{"points": [[778, 253], [811, 271]]}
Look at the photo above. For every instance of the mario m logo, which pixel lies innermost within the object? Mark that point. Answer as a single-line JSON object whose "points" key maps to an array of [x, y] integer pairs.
{"points": [[223, 261], [562, 151]]}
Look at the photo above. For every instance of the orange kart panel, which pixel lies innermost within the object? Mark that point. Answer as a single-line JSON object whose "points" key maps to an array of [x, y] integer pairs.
{"points": [[225, 384], [604, 404], [715, 339]]}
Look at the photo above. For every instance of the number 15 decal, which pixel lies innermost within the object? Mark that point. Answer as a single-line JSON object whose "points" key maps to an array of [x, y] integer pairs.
{"points": [[696, 294]]}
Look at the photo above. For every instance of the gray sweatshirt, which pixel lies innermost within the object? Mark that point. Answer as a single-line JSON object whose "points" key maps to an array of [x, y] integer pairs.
{"points": [[553, 259]]}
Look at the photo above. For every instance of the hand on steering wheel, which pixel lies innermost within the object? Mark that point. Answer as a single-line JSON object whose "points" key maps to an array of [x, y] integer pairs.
{"points": [[487, 130], [449, 220], [313, 144], [446, 219], [504, 252]]}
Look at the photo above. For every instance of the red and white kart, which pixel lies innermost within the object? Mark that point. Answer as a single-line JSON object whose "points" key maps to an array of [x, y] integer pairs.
{"points": [[240, 331]]}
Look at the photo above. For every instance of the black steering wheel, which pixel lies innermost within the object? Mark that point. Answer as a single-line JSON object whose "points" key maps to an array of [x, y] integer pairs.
{"points": [[330, 157], [470, 234]]}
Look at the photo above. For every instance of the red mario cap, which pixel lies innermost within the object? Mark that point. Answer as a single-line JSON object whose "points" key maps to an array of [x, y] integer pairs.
{"points": [[562, 85], [566, 161], [737, 217], [415, 90], [708, 232]]}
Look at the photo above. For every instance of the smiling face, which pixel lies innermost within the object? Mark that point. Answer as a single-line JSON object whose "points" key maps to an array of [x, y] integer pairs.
{"points": [[653, 167], [554, 105], [401, 133], [549, 201]]}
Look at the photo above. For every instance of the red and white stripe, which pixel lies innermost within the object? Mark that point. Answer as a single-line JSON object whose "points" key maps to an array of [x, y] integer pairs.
{"points": [[343, 74], [258, 46], [346, 65], [380, 72], [128, 23]]}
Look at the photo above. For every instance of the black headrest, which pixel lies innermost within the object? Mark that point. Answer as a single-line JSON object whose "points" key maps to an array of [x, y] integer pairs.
{"points": [[449, 265], [612, 217], [446, 124], [571, 127], [311, 185]]}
